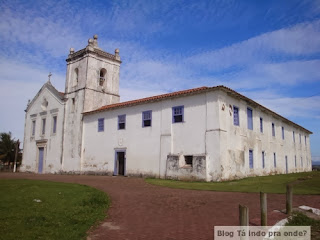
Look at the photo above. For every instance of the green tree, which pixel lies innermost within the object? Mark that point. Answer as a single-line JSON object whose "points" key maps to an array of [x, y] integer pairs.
{"points": [[7, 148]]}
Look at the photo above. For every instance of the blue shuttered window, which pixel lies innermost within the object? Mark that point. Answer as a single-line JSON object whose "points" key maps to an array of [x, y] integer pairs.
{"points": [[251, 158], [146, 118], [100, 124], [236, 116], [250, 121], [122, 122], [177, 114], [261, 125]]}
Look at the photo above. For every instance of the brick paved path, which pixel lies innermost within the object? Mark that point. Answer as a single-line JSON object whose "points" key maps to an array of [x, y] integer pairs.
{"points": [[143, 211]]}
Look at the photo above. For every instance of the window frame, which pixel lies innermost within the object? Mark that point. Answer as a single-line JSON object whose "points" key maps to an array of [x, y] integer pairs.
{"points": [[250, 119], [144, 113], [251, 159], [174, 114], [236, 118], [100, 124], [123, 121]]}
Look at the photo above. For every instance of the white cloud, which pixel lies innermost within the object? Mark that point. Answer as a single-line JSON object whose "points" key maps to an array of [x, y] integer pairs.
{"points": [[299, 40]]}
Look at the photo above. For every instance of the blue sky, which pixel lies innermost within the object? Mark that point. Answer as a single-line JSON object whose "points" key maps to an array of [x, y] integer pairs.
{"points": [[266, 50]]}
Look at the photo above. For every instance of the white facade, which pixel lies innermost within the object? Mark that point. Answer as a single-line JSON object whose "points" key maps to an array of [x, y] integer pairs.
{"points": [[207, 144]]}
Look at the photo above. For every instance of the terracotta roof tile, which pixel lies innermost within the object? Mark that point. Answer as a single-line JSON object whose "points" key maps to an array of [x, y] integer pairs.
{"points": [[148, 99], [189, 92]]}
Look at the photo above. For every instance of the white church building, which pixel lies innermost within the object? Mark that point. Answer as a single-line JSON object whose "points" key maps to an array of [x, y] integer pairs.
{"points": [[206, 133]]}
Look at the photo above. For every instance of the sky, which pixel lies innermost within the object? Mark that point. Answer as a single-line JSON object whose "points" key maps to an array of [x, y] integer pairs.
{"points": [[267, 50]]}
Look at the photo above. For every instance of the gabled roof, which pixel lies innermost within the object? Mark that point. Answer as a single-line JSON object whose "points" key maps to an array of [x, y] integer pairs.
{"points": [[188, 92], [52, 89]]}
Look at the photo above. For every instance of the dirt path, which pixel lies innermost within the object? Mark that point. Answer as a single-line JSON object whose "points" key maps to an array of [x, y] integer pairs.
{"points": [[143, 211]]}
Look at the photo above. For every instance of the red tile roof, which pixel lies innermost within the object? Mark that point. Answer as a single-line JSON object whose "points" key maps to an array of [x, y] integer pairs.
{"points": [[149, 99], [190, 92]]}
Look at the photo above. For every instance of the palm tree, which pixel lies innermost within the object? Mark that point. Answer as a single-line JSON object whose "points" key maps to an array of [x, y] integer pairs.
{"points": [[7, 148]]}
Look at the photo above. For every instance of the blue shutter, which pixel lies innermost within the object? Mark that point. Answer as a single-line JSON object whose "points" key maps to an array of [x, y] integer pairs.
{"points": [[261, 125], [251, 158], [100, 124], [236, 116]]}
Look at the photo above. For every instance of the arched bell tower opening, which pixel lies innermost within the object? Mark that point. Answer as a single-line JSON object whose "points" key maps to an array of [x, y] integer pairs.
{"points": [[92, 81]]}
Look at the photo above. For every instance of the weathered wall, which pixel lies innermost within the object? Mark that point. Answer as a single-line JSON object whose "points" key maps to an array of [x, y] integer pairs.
{"points": [[236, 141], [86, 94], [52, 142], [147, 148]]}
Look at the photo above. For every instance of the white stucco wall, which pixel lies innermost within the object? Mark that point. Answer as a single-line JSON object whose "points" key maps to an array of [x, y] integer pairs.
{"points": [[52, 142], [237, 140], [147, 148]]}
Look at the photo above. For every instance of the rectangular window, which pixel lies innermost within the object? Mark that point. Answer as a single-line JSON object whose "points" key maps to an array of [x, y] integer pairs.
{"points": [[100, 124], [236, 116], [251, 158], [43, 126], [177, 114], [282, 128], [263, 159], [305, 140], [33, 127], [54, 124], [301, 162], [274, 160], [188, 160], [295, 160], [294, 139], [122, 121], [261, 125], [300, 138], [249, 115], [273, 130], [146, 118]]}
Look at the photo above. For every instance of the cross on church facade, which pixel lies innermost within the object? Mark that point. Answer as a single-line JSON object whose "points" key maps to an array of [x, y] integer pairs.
{"points": [[49, 76]]}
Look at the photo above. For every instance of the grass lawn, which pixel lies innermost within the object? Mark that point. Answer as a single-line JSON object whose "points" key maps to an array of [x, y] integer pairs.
{"points": [[66, 211], [304, 183]]}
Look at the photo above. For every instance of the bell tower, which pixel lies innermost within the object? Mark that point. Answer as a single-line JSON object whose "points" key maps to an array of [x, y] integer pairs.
{"points": [[92, 81]]}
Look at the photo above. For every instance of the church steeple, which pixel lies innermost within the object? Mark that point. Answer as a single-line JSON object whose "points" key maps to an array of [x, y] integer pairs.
{"points": [[92, 81]]}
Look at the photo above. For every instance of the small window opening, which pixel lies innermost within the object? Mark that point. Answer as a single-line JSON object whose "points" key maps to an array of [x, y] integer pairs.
{"points": [[73, 104], [76, 77], [102, 77], [188, 160]]}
